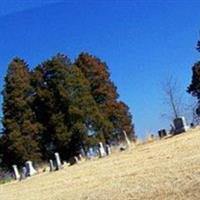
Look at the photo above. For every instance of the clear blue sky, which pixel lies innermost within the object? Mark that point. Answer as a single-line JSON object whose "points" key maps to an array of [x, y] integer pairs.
{"points": [[141, 41]]}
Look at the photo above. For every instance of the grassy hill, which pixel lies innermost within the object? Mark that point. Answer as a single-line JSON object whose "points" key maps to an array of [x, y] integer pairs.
{"points": [[163, 169]]}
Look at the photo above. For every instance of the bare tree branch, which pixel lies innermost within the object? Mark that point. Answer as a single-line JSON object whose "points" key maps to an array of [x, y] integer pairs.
{"points": [[172, 97]]}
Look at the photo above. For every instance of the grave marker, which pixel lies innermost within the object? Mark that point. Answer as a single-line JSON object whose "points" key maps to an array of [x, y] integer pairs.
{"points": [[162, 133], [180, 125], [24, 173], [58, 162], [101, 149], [108, 149], [29, 168], [16, 172], [51, 166], [126, 139]]}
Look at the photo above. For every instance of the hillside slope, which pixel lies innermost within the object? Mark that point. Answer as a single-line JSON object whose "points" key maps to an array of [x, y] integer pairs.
{"points": [[165, 169]]}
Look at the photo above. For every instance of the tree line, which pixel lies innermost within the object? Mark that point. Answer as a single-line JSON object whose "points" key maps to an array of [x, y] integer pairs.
{"points": [[194, 87], [60, 106]]}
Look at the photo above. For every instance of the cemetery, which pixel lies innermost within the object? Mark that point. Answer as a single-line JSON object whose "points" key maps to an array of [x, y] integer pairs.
{"points": [[103, 150], [96, 101], [54, 165], [106, 177]]}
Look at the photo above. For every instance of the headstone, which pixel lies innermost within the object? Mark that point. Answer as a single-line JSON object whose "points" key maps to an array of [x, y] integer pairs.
{"points": [[58, 162], [83, 153], [180, 125], [92, 152], [108, 149], [16, 172], [80, 157], [101, 150], [65, 163], [73, 160], [51, 166], [126, 139], [24, 173], [162, 133], [76, 159], [29, 168]]}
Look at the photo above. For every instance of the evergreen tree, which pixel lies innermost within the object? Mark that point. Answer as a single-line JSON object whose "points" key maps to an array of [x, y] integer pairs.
{"points": [[194, 87], [65, 107], [60, 107], [20, 128], [105, 94], [51, 104], [118, 113], [85, 121]]}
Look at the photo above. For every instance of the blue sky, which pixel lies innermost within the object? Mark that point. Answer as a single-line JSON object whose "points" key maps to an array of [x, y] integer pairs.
{"points": [[143, 42]]}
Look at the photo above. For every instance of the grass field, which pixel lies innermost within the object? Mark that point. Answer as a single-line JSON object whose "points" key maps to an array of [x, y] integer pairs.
{"points": [[164, 169]]}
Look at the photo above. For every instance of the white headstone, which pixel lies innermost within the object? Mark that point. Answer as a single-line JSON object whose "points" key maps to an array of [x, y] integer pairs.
{"points": [[102, 152], [51, 166], [58, 162], [16, 172], [126, 139], [83, 154], [30, 169], [76, 159], [24, 173], [80, 157], [73, 160]]}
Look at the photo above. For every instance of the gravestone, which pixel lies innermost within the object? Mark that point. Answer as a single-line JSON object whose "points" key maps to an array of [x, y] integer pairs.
{"points": [[29, 168], [51, 166], [126, 139], [83, 153], [101, 150], [76, 159], [180, 125], [24, 173], [108, 149], [92, 153], [80, 157], [73, 160], [58, 162], [16, 172], [162, 133]]}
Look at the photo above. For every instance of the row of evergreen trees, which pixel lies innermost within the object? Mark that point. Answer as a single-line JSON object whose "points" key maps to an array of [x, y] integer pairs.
{"points": [[60, 106]]}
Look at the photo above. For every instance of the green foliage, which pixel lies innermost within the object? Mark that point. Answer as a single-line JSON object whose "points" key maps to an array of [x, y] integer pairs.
{"points": [[64, 106], [60, 106], [116, 113], [194, 87], [20, 128], [51, 104], [85, 118]]}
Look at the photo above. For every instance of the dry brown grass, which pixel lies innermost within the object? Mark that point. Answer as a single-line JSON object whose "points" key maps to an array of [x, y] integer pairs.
{"points": [[166, 169]]}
